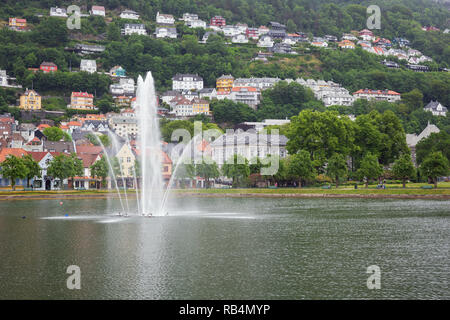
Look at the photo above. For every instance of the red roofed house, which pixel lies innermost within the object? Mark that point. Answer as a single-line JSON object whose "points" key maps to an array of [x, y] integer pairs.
{"points": [[17, 23], [82, 101], [44, 182], [378, 95], [218, 21], [247, 95], [42, 126], [86, 181], [366, 35], [34, 145], [47, 67], [98, 11]]}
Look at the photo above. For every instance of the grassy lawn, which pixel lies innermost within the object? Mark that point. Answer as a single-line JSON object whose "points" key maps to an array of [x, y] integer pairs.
{"points": [[411, 189]]}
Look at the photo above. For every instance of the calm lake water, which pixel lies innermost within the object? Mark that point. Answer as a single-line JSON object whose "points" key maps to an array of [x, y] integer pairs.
{"points": [[237, 248]]}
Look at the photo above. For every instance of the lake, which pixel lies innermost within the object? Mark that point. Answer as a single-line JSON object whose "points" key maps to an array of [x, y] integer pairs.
{"points": [[227, 248]]}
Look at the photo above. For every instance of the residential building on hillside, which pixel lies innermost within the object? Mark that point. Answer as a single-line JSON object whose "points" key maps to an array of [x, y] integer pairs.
{"points": [[196, 24], [230, 31], [379, 95], [259, 83], [117, 71], [88, 48], [282, 48], [134, 28], [129, 14], [252, 33], [187, 82], [17, 24], [164, 32], [366, 35], [265, 42], [262, 30], [164, 18], [82, 101], [346, 44], [436, 108], [258, 126], [218, 21], [210, 93], [58, 12], [189, 17], [240, 38], [224, 83], [88, 65], [59, 146], [124, 126], [200, 106], [247, 95], [98, 11], [47, 67], [30, 101]]}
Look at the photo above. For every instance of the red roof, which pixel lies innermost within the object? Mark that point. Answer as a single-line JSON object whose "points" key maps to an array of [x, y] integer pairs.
{"points": [[82, 94], [90, 149], [20, 20], [369, 91], [38, 156], [18, 152], [238, 89], [88, 159], [74, 124], [100, 8], [42, 126]]}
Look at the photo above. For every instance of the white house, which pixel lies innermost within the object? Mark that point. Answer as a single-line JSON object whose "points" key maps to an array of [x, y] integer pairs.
{"points": [[189, 17], [164, 18], [134, 28], [230, 31], [58, 12], [196, 24], [128, 85], [265, 42], [379, 95], [436, 108], [187, 82], [88, 65], [240, 38], [162, 32], [248, 145], [247, 95], [260, 83], [98, 11], [129, 14]]}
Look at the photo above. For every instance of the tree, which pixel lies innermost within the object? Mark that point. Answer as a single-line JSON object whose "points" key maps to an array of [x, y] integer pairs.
{"points": [[13, 168], [370, 168], [94, 139], [413, 99], [237, 169], [435, 142], [58, 169], [337, 168], [322, 134], [301, 167], [403, 168], [75, 166], [208, 170], [56, 134], [434, 166], [33, 168], [99, 169]]}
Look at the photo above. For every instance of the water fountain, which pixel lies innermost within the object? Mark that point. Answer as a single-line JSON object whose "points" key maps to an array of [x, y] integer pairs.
{"points": [[149, 146]]}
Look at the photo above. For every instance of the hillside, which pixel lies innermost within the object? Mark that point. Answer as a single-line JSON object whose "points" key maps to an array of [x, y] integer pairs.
{"points": [[48, 39]]}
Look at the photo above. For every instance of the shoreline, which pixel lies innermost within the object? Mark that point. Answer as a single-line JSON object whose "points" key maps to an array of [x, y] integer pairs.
{"points": [[231, 193]]}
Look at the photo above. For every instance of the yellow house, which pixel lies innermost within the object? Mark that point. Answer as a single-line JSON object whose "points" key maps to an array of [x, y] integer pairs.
{"points": [[225, 83], [30, 100], [127, 159], [200, 106], [17, 23]]}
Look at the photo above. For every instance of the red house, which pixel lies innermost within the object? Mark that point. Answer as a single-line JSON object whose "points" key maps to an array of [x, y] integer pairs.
{"points": [[252, 33], [48, 67], [218, 21]]}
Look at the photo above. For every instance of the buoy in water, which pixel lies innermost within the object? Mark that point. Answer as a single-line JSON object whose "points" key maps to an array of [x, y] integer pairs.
{"points": [[60, 203], [24, 217], [66, 215]]}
